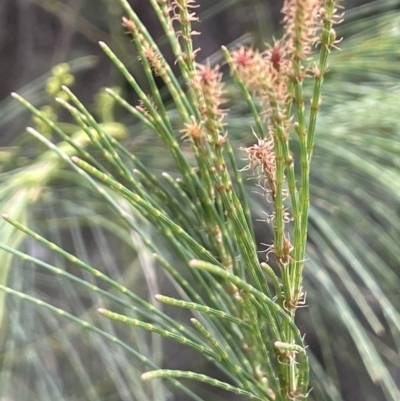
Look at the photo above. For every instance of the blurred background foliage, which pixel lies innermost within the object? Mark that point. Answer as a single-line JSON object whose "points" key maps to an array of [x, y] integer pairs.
{"points": [[352, 276]]}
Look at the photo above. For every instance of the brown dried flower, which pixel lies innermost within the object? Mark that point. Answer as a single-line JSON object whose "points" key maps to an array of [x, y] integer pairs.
{"points": [[262, 160]]}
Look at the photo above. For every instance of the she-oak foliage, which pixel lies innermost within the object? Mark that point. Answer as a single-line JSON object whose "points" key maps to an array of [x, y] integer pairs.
{"points": [[245, 309]]}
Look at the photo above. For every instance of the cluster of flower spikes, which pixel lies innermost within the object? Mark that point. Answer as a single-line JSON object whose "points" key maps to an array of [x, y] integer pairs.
{"points": [[270, 75]]}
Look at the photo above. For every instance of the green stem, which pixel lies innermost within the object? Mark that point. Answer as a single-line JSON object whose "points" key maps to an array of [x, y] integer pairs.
{"points": [[202, 378]]}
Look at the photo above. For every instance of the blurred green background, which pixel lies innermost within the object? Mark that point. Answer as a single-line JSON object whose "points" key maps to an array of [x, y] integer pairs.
{"points": [[353, 275]]}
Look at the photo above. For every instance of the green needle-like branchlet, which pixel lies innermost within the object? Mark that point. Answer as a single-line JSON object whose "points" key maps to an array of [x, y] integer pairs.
{"points": [[96, 273], [202, 308], [226, 359], [199, 377], [270, 307], [165, 333], [77, 144], [87, 326], [142, 204]]}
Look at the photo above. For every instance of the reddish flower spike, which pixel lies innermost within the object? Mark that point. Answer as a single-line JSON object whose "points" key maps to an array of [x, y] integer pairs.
{"points": [[276, 57]]}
